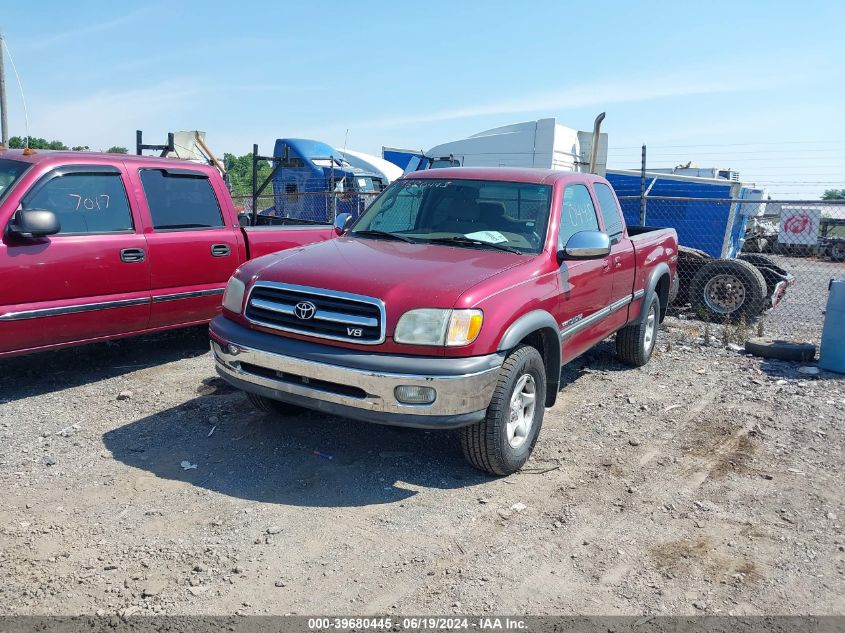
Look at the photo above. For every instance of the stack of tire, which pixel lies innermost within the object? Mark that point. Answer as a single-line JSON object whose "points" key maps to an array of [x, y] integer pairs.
{"points": [[727, 289]]}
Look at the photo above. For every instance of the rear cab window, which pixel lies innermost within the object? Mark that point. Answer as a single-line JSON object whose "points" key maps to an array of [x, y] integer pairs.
{"points": [[610, 213], [578, 213], [181, 201]]}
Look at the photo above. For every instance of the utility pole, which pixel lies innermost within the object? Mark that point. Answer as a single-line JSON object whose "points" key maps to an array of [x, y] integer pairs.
{"points": [[643, 201], [4, 119]]}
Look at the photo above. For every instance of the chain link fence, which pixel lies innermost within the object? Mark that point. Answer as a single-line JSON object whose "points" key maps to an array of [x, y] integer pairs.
{"points": [[764, 266], [305, 202]]}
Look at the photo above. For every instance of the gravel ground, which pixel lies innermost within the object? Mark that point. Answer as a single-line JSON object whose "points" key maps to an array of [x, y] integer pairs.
{"points": [[134, 481]]}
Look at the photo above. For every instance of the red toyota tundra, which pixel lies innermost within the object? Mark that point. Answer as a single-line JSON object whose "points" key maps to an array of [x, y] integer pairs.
{"points": [[452, 302], [97, 246]]}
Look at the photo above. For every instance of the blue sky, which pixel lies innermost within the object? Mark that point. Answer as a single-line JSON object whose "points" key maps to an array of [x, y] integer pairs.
{"points": [[756, 86]]}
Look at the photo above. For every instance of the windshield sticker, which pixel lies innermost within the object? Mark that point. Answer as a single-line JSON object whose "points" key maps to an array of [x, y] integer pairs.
{"points": [[493, 237]]}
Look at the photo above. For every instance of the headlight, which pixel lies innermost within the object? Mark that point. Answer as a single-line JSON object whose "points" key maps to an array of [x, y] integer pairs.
{"points": [[233, 298], [429, 326]]}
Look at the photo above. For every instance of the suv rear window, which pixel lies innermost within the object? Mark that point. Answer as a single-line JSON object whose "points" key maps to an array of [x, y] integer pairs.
{"points": [[180, 201]]}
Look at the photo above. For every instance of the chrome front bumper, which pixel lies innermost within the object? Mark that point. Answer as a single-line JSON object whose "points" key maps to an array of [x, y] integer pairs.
{"points": [[365, 394]]}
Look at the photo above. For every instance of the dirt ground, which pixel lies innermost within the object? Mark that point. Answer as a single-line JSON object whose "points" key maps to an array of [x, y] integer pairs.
{"points": [[132, 480]]}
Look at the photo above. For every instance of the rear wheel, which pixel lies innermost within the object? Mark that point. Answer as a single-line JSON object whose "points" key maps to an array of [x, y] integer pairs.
{"points": [[635, 342], [502, 442], [268, 405]]}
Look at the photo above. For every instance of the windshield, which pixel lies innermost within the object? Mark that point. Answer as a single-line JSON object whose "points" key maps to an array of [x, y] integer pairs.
{"points": [[479, 213], [10, 171]]}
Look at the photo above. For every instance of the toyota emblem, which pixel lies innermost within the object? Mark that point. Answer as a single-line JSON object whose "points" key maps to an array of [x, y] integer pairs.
{"points": [[305, 310]]}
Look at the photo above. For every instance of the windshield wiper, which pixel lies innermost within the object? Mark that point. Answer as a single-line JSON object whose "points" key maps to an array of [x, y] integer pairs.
{"points": [[468, 241], [385, 234]]}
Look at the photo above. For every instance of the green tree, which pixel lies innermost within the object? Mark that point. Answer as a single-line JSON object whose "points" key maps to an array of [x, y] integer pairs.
{"points": [[17, 142], [239, 169], [833, 194], [117, 149]]}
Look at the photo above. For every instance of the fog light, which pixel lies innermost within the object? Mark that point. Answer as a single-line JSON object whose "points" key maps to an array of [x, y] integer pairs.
{"points": [[233, 350], [410, 394]]}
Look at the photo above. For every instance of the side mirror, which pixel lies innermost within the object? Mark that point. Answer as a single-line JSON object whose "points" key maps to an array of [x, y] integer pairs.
{"points": [[341, 222], [585, 245], [31, 223]]}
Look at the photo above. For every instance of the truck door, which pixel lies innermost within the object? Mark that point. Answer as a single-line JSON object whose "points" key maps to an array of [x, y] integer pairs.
{"points": [[585, 284], [88, 281], [192, 249], [622, 256]]}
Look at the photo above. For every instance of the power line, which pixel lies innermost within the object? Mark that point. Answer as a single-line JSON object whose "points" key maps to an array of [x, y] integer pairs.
{"points": [[637, 147]]}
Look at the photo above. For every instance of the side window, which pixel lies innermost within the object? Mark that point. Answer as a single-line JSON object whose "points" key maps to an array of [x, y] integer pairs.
{"points": [[179, 201], [84, 203], [577, 213], [609, 212]]}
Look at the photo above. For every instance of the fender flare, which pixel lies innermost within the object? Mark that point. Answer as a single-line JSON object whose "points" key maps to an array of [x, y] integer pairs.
{"points": [[650, 288], [543, 323]]}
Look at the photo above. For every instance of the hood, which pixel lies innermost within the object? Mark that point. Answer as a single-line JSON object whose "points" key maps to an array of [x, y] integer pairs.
{"points": [[404, 276]]}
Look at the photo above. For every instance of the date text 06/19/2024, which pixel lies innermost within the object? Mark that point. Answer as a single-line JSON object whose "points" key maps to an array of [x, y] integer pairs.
{"points": [[490, 623]]}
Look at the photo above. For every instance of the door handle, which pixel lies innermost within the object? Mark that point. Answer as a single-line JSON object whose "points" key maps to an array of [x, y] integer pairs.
{"points": [[617, 261], [220, 250], [130, 255]]}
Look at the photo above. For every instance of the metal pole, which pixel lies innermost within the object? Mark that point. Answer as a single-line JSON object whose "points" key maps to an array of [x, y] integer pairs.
{"points": [[333, 194], [255, 184], [139, 140], [4, 118], [642, 190]]}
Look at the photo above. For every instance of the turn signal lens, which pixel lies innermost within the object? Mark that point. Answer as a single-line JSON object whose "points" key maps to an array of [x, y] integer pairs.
{"points": [[464, 326]]}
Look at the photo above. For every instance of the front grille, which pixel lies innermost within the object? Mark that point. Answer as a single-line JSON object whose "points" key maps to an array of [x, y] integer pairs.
{"points": [[336, 315]]}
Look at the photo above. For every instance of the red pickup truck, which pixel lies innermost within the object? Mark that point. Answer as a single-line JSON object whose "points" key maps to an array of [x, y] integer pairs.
{"points": [[452, 302], [97, 246]]}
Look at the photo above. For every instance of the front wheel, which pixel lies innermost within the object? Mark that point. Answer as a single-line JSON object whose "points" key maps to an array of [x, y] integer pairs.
{"points": [[635, 342], [502, 442]]}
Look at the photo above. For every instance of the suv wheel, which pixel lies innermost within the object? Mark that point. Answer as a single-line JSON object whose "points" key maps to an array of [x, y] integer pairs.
{"points": [[502, 442], [268, 405]]}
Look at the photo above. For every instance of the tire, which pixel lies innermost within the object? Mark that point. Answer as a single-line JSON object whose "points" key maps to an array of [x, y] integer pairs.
{"points": [[781, 350], [635, 342], [490, 445], [690, 261], [728, 289], [277, 407], [837, 251], [759, 261]]}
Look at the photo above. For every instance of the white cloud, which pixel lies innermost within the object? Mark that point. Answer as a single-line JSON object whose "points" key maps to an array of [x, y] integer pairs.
{"points": [[110, 117], [599, 94], [83, 31]]}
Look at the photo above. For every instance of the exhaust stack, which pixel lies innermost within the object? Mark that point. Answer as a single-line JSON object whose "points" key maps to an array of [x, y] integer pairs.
{"points": [[594, 148]]}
